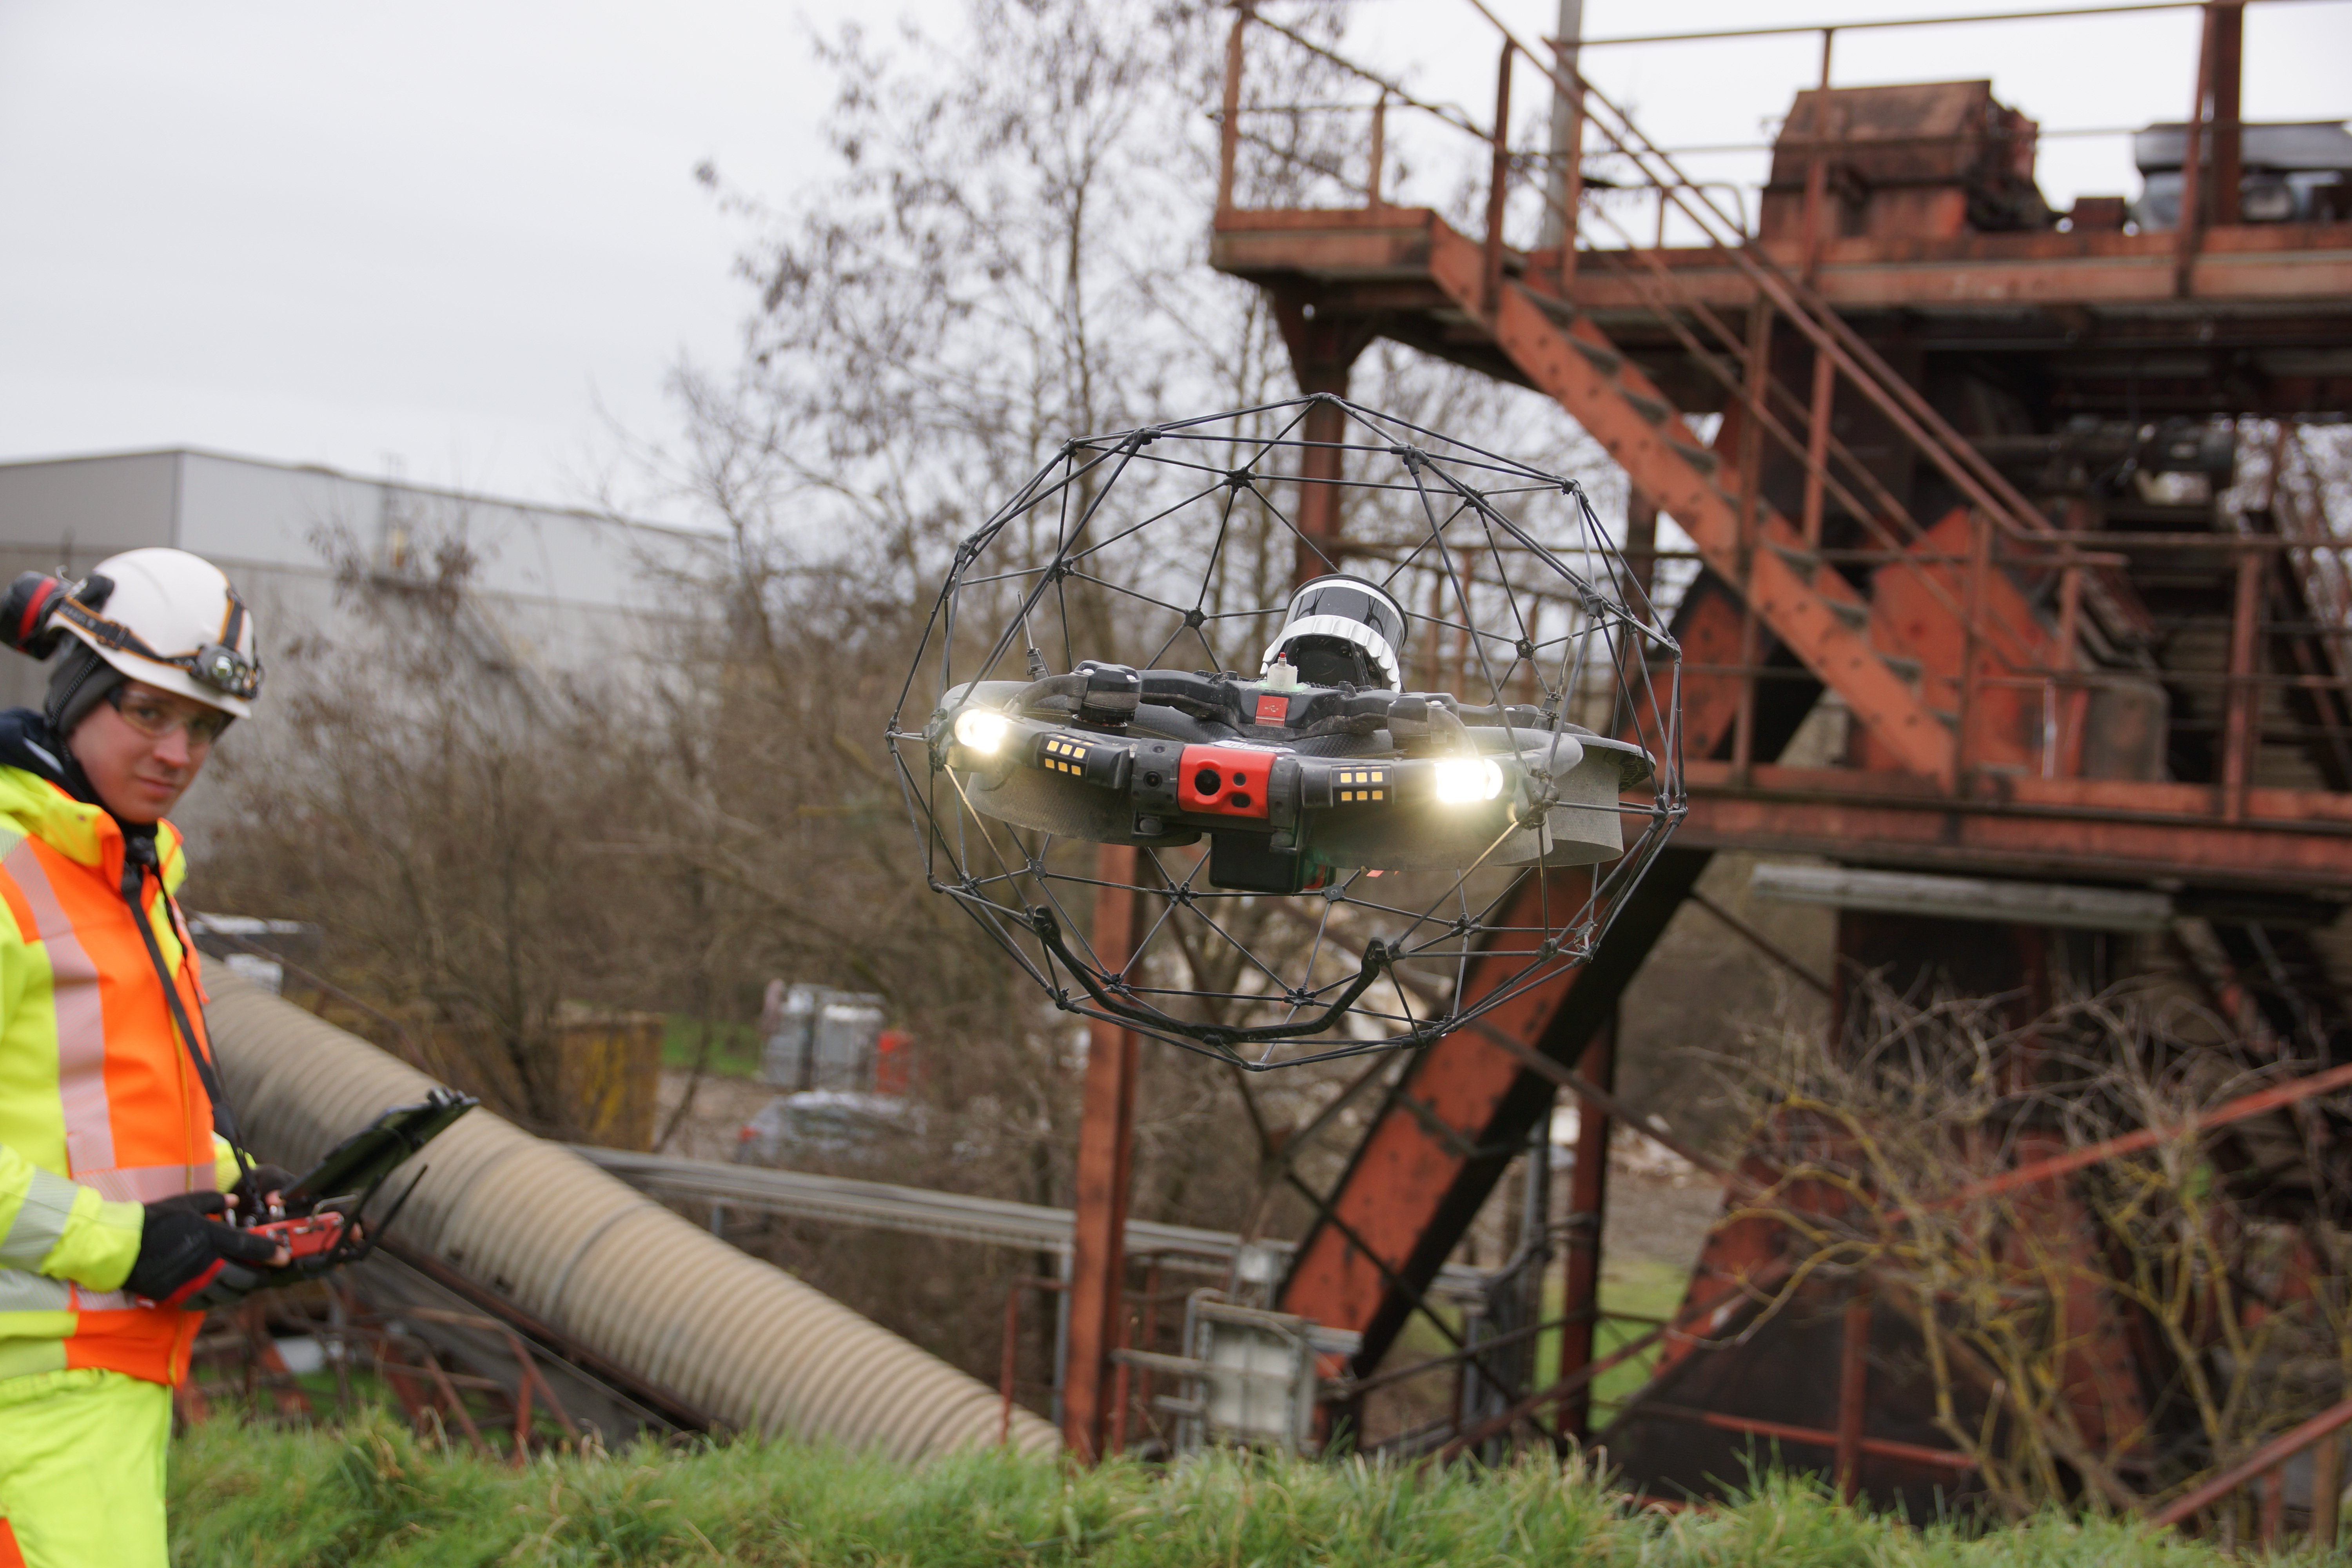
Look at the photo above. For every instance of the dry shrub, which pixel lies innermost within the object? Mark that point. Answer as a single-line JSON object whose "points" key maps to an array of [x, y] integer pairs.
{"points": [[2112, 1337], [449, 821]]}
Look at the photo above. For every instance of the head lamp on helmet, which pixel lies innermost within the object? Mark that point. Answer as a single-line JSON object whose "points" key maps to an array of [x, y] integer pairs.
{"points": [[224, 669], [163, 617]]}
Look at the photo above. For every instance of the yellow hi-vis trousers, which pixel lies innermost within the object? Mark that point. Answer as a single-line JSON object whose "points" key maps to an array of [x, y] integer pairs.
{"points": [[81, 1470]]}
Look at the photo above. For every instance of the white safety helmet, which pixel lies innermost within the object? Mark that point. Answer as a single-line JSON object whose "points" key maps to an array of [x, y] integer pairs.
{"points": [[171, 620]]}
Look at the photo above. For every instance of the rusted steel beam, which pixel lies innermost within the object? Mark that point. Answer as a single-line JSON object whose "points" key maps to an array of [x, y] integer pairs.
{"points": [[1105, 1169], [2259, 1103], [2324, 812], [2111, 828], [1854, 1376], [1498, 185], [1813, 1436], [2189, 230], [1570, 151], [2275, 1452], [448, 1392], [2259, 265], [1784, 29], [2229, 161], [1587, 1202], [1229, 125], [1960, 839], [1755, 388], [1761, 943], [1592, 1094], [1817, 171], [2017, 836], [2238, 735], [669, 1406], [1323, 345]]}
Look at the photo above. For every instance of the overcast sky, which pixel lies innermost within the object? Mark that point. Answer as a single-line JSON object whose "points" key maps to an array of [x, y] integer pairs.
{"points": [[461, 239]]}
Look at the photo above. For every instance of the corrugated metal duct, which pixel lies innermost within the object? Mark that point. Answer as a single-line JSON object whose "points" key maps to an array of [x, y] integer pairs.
{"points": [[602, 1262]]}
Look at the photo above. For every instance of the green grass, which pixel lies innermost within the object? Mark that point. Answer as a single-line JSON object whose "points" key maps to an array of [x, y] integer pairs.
{"points": [[1643, 1285], [373, 1494], [734, 1048]]}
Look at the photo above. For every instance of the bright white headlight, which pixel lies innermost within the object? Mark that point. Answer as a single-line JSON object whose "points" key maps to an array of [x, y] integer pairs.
{"points": [[1465, 781], [979, 730]]}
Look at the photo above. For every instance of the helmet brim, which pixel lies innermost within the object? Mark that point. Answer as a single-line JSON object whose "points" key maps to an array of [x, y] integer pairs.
{"points": [[164, 677]]}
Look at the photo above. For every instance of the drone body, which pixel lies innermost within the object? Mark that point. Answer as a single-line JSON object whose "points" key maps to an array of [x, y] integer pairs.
{"points": [[1293, 782]]}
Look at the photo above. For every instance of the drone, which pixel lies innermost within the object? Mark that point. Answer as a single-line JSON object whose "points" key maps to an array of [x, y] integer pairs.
{"points": [[1361, 812], [1321, 766]]}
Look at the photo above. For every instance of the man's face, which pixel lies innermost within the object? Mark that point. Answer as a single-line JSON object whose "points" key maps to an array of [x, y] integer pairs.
{"points": [[143, 748]]}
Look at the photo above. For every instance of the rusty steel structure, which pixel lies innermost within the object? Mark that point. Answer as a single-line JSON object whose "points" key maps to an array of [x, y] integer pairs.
{"points": [[1946, 459]]}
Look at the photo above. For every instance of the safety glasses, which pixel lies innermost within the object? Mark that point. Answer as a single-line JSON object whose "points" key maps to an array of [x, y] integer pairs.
{"points": [[156, 716]]}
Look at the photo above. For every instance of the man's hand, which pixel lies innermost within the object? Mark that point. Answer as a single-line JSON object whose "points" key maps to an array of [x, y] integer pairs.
{"points": [[261, 1189], [183, 1248]]}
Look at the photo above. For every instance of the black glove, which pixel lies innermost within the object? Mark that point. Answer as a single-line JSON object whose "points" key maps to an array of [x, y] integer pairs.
{"points": [[252, 1191], [182, 1250], [25, 613]]}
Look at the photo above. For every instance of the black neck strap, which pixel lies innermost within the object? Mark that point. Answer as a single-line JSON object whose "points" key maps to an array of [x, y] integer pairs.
{"points": [[138, 859]]}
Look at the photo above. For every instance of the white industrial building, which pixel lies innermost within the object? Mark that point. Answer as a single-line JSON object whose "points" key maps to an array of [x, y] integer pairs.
{"points": [[565, 587], [551, 592]]}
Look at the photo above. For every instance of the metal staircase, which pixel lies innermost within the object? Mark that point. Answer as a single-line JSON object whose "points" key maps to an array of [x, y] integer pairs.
{"points": [[1966, 631]]}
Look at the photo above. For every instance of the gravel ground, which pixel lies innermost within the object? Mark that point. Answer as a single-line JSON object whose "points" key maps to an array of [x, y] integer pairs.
{"points": [[721, 1106]]}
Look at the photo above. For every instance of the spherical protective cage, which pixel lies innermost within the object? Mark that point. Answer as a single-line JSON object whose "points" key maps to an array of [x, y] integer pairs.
{"points": [[1180, 542], [173, 621]]}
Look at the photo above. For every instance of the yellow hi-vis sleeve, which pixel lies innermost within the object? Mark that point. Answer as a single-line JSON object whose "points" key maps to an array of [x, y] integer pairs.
{"points": [[51, 1226], [226, 1173]]}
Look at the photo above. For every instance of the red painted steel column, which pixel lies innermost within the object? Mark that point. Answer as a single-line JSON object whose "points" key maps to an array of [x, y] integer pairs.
{"points": [[1817, 169], [1750, 451], [2327, 1492], [2241, 726], [1498, 185], [1588, 1201], [2229, 161], [1229, 127], [1106, 1152], [1320, 467], [1568, 147], [2194, 170], [1641, 543], [1853, 1374]]}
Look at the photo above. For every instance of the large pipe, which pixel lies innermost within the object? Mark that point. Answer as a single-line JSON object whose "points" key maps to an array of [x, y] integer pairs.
{"points": [[600, 1261]]}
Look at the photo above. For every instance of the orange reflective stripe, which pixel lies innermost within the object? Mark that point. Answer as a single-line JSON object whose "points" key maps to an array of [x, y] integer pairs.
{"points": [[80, 1014], [9, 1556]]}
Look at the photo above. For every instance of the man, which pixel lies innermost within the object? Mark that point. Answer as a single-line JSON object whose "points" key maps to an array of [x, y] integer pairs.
{"points": [[111, 1208]]}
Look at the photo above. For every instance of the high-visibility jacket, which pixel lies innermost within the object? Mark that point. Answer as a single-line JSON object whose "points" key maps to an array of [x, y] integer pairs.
{"points": [[101, 1108]]}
